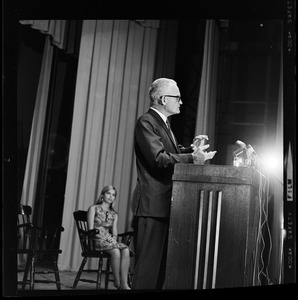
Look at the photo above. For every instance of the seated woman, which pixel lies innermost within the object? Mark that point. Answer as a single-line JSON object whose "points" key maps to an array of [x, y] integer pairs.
{"points": [[103, 217]]}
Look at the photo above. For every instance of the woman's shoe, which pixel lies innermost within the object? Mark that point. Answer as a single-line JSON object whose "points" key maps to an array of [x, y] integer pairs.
{"points": [[118, 287], [125, 287]]}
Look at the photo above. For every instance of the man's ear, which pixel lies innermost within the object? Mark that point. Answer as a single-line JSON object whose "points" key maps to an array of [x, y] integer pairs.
{"points": [[163, 100]]}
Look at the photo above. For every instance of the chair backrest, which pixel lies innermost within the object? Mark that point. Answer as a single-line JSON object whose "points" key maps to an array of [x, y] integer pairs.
{"points": [[24, 213], [85, 235], [47, 239], [35, 237], [24, 228]]}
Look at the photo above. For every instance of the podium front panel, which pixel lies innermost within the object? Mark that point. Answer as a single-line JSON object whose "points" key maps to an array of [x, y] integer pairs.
{"points": [[213, 227]]}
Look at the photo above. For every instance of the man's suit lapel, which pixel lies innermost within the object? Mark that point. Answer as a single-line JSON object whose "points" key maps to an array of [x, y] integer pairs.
{"points": [[164, 126]]}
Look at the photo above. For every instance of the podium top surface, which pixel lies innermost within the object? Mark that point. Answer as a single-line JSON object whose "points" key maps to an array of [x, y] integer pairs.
{"points": [[216, 174]]}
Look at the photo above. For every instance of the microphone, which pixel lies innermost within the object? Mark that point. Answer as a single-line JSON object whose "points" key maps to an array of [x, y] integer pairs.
{"points": [[252, 151], [241, 144], [242, 147], [248, 158]]}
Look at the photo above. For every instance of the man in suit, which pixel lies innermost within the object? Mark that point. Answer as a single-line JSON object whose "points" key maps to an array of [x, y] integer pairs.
{"points": [[157, 152]]}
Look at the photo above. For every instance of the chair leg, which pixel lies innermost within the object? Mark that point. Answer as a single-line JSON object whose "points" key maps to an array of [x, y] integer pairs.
{"points": [[32, 272], [30, 268], [57, 277], [107, 274], [80, 272], [26, 271], [98, 281]]}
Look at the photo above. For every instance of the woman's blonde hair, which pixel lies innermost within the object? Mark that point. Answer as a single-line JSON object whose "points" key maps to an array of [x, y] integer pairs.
{"points": [[104, 190]]}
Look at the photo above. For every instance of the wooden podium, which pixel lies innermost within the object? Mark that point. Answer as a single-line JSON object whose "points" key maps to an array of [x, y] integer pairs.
{"points": [[214, 227]]}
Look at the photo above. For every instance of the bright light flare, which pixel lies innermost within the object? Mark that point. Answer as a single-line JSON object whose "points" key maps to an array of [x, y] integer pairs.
{"points": [[270, 162]]}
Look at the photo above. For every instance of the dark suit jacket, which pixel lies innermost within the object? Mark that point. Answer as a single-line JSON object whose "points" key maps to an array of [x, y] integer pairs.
{"points": [[156, 155]]}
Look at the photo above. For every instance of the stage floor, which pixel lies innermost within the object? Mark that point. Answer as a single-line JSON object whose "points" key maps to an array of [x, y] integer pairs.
{"points": [[67, 280]]}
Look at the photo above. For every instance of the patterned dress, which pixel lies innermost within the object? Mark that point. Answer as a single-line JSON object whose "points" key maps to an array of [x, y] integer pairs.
{"points": [[103, 221]]}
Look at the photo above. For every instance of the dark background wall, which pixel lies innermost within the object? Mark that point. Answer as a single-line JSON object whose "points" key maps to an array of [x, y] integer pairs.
{"points": [[247, 82]]}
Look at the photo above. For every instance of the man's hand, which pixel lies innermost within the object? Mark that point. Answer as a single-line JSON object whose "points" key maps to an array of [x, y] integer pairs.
{"points": [[198, 141], [199, 155]]}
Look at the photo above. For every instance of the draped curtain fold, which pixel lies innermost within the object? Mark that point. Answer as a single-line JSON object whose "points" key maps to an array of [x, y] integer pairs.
{"points": [[58, 33], [62, 32], [54, 28], [37, 129], [37, 132], [115, 69], [205, 121]]}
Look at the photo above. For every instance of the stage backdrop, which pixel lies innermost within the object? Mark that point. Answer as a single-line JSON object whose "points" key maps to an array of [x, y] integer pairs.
{"points": [[205, 121], [115, 70]]}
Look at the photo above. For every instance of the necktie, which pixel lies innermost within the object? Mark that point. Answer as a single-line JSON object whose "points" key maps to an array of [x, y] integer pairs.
{"points": [[169, 127], [168, 124]]}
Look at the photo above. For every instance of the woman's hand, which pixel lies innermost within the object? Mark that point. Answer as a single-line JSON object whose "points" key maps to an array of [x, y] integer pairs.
{"points": [[111, 239]]}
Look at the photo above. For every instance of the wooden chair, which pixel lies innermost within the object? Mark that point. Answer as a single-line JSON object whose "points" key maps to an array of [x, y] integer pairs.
{"points": [[24, 236], [88, 251], [40, 246]]}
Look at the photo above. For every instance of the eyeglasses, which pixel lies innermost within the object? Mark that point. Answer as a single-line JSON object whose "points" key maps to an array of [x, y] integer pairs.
{"points": [[178, 98]]}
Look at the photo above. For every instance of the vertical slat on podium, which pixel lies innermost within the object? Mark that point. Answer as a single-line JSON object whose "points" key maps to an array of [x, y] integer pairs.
{"points": [[216, 239], [208, 240], [207, 245], [199, 238]]}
